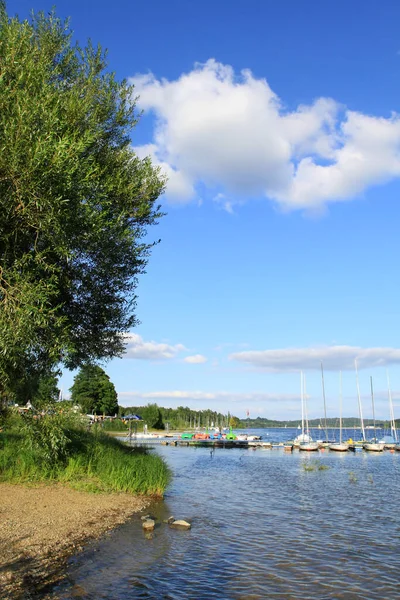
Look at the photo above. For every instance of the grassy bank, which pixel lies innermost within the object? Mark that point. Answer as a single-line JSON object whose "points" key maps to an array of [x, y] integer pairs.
{"points": [[58, 448]]}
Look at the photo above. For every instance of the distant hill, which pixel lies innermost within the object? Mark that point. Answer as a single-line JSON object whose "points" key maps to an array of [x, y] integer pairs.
{"points": [[348, 422]]}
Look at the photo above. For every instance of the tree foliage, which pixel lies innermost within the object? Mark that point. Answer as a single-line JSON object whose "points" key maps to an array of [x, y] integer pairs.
{"points": [[39, 390], [177, 418], [234, 422], [94, 392], [75, 201], [151, 415]]}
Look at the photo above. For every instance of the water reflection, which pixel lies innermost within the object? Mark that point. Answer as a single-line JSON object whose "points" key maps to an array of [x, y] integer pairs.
{"points": [[264, 524]]}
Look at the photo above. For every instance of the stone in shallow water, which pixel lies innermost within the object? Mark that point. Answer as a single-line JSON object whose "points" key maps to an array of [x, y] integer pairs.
{"points": [[148, 525], [180, 524]]}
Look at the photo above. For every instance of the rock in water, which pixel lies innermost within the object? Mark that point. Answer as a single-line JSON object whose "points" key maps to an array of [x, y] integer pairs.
{"points": [[180, 524], [148, 525], [169, 520]]}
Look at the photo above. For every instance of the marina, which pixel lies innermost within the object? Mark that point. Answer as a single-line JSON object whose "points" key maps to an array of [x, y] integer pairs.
{"points": [[277, 439]]}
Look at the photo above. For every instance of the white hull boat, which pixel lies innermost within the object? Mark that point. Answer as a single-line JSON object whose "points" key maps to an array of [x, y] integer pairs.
{"points": [[304, 440], [339, 447], [309, 446], [374, 446]]}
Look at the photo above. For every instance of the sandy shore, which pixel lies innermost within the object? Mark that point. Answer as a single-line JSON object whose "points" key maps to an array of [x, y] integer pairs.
{"points": [[41, 526]]}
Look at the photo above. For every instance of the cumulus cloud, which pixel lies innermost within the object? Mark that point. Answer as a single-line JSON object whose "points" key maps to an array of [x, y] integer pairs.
{"points": [[196, 359], [136, 347], [334, 358], [232, 134]]}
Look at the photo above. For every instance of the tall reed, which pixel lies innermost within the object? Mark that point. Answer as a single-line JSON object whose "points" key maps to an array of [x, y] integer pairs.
{"points": [[59, 448]]}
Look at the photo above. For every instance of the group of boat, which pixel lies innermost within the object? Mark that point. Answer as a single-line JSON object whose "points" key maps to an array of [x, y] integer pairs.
{"points": [[219, 435], [305, 442]]}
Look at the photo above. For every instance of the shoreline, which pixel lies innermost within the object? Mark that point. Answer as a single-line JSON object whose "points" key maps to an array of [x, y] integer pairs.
{"points": [[42, 525]]}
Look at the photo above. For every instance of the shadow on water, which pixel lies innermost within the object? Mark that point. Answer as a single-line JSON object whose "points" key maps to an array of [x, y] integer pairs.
{"points": [[264, 524]]}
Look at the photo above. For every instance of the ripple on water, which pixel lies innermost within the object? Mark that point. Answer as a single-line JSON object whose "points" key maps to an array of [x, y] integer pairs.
{"points": [[262, 526]]}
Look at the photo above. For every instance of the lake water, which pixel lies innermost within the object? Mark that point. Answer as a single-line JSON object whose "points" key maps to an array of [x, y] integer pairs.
{"points": [[265, 524]]}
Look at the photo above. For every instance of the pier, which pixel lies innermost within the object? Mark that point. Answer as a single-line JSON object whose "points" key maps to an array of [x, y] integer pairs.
{"points": [[175, 440]]}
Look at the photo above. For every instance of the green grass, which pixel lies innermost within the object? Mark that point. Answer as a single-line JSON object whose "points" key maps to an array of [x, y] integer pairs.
{"points": [[315, 466], [56, 448], [116, 425]]}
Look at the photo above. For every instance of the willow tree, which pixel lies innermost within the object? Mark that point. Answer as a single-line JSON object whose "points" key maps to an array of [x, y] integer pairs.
{"points": [[75, 202]]}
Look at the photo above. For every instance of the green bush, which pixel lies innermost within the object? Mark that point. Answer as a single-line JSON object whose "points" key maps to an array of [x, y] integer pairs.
{"points": [[116, 425], [58, 447]]}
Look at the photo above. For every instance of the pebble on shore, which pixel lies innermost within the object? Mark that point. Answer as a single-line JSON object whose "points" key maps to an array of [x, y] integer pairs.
{"points": [[42, 525]]}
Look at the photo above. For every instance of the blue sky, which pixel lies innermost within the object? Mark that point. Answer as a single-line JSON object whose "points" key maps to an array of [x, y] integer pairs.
{"points": [[276, 123]]}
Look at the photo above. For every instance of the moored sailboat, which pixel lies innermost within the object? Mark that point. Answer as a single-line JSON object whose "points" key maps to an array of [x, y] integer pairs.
{"points": [[305, 441], [373, 445], [325, 442], [390, 441], [340, 446], [358, 446]]}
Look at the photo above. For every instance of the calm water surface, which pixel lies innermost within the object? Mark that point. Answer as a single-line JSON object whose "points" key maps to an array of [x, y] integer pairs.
{"points": [[263, 526]]}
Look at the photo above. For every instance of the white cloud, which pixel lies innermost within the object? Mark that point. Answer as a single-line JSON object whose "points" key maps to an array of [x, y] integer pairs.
{"points": [[196, 359], [334, 358], [233, 135], [200, 396], [180, 187], [136, 347], [258, 403]]}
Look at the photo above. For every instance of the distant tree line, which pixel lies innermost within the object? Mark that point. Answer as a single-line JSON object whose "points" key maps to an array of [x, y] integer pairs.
{"points": [[182, 417], [347, 422]]}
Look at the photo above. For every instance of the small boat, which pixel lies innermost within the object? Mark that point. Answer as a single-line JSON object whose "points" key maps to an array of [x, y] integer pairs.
{"points": [[309, 446], [340, 446], [355, 446], [373, 445], [146, 436], [390, 441], [359, 408], [187, 436], [304, 441], [201, 436]]}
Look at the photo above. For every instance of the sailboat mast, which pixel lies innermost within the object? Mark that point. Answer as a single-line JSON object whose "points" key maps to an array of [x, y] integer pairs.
{"points": [[305, 408], [340, 406], [373, 408], [392, 421], [302, 404], [323, 393], [359, 404]]}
